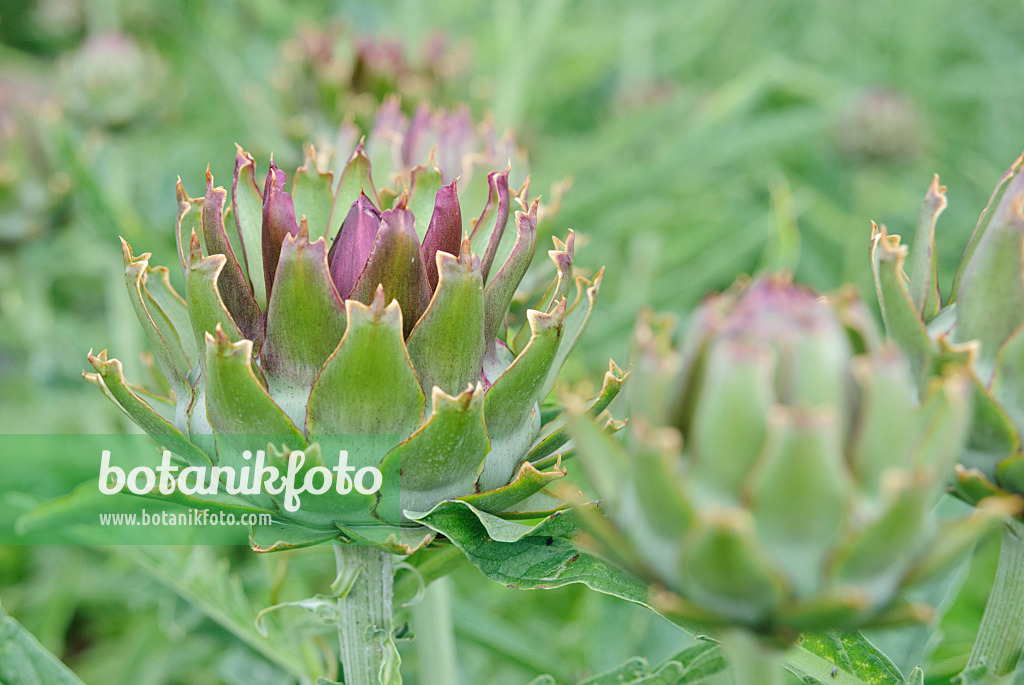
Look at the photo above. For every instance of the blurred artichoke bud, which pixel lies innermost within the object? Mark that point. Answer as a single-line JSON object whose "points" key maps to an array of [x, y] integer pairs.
{"points": [[322, 310], [110, 80], [981, 323], [880, 125], [778, 472], [33, 195], [330, 69], [460, 148]]}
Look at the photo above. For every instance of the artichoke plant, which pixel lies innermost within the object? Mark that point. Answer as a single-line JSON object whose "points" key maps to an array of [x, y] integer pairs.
{"points": [[778, 471], [395, 328], [321, 317], [981, 323]]}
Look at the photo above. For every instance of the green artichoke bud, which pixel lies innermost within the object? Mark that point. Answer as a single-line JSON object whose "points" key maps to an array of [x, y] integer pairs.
{"points": [[33, 195], [328, 69], [110, 80], [880, 125], [981, 322], [779, 471], [318, 310]]}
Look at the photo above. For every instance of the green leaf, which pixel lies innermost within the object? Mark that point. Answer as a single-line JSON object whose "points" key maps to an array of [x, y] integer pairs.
{"points": [[190, 218], [881, 439], [442, 460], [247, 208], [727, 567], [731, 417], [987, 215], [236, 401], [854, 654], [529, 557], [511, 402], [282, 535], [447, 344], [426, 181], [528, 481], [305, 323], [313, 196], [502, 286], [164, 338], [205, 306], [576, 317], [902, 320], [1009, 369], [798, 499], [231, 282], [368, 385], [240, 411], [924, 279], [109, 377], [356, 178], [990, 295], [701, 663], [23, 661], [557, 434], [628, 672], [206, 581]]}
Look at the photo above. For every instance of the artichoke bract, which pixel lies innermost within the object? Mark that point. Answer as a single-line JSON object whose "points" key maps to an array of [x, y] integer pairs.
{"points": [[314, 312], [981, 323], [778, 472]]}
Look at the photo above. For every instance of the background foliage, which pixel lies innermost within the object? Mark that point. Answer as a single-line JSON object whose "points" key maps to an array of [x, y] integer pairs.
{"points": [[703, 138]]}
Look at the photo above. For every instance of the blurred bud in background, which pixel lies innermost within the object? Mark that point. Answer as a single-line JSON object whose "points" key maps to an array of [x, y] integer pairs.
{"points": [[110, 80], [880, 125]]}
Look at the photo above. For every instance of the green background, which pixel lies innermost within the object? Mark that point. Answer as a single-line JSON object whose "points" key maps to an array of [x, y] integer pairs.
{"points": [[704, 139]]}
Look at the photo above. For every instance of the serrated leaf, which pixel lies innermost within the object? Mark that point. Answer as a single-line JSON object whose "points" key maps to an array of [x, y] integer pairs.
{"points": [[854, 654], [441, 460], [529, 557]]}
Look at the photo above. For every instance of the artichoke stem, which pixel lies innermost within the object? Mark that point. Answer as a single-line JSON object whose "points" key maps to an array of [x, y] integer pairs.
{"points": [[752, 661], [435, 636], [367, 646], [1000, 638]]}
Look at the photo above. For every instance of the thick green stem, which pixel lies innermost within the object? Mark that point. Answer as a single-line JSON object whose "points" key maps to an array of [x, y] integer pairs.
{"points": [[435, 636], [368, 652], [751, 660], [1000, 639]]}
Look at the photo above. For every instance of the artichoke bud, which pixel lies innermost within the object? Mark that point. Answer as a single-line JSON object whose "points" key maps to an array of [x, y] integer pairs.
{"points": [[789, 487], [335, 316]]}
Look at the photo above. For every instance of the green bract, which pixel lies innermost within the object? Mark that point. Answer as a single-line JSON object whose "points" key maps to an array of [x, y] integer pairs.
{"points": [[778, 471], [317, 310], [981, 323]]}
